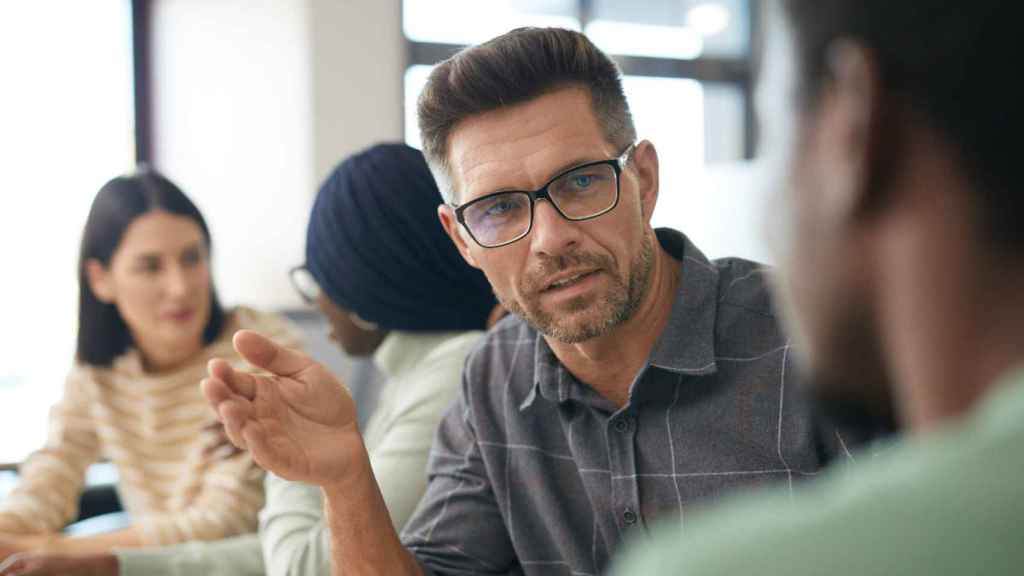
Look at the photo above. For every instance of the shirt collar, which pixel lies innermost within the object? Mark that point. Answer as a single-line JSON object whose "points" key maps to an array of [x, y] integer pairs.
{"points": [[686, 346]]}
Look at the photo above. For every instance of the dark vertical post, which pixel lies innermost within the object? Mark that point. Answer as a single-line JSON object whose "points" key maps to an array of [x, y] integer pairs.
{"points": [[142, 69], [585, 13], [754, 47]]}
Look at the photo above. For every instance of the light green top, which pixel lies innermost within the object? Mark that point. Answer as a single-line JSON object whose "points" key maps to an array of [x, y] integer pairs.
{"points": [[951, 502], [423, 372]]}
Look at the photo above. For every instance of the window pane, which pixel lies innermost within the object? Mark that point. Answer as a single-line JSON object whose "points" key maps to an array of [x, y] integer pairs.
{"points": [[473, 21], [670, 113], [415, 79], [724, 121], [683, 29], [691, 123], [66, 113], [704, 191]]}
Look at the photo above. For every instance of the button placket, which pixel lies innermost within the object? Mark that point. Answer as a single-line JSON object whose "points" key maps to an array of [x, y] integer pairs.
{"points": [[629, 517], [622, 452]]}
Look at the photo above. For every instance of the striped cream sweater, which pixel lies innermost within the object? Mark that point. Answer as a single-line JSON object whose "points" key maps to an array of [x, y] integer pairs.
{"points": [[150, 427]]}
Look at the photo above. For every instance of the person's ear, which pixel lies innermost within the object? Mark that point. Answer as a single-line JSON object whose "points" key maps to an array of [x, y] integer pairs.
{"points": [[850, 131], [456, 232], [99, 281], [644, 161]]}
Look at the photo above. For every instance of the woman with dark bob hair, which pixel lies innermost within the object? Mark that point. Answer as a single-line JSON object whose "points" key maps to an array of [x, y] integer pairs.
{"points": [[149, 321]]}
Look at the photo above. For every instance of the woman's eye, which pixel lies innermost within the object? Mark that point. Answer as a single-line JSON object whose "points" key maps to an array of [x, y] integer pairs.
{"points": [[192, 258]]}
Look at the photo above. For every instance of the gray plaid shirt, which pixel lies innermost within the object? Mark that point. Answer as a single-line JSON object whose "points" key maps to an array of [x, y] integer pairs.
{"points": [[532, 472]]}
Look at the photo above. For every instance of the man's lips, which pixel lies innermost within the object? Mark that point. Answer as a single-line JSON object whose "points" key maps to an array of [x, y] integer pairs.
{"points": [[566, 279]]}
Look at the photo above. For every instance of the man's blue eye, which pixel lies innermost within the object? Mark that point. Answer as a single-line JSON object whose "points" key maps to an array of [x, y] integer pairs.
{"points": [[582, 180], [500, 207]]}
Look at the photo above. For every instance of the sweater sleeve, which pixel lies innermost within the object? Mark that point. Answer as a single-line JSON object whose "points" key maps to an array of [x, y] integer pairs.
{"points": [[46, 497], [238, 556], [227, 504]]}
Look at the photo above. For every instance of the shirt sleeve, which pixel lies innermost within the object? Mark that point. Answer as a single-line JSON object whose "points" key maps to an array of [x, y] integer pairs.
{"points": [[458, 528], [293, 535], [46, 497], [229, 499], [238, 556]]}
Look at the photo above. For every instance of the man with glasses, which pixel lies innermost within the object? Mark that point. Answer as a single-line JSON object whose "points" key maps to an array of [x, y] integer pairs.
{"points": [[634, 379]]}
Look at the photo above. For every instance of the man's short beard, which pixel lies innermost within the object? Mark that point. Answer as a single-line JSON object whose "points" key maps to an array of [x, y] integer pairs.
{"points": [[618, 305]]}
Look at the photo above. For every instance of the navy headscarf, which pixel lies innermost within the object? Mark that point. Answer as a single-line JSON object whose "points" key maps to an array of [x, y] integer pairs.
{"points": [[376, 248]]}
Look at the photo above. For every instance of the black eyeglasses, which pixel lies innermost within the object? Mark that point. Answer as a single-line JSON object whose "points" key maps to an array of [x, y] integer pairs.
{"points": [[580, 193], [304, 284]]}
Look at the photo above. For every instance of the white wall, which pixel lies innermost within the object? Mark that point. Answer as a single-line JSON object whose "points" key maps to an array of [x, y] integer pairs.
{"points": [[358, 62], [254, 101]]}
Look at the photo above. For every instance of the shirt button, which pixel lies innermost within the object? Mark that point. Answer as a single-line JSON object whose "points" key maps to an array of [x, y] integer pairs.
{"points": [[629, 516], [623, 425]]}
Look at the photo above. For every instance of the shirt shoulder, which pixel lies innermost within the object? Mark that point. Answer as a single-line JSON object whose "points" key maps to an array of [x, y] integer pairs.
{"points": [[746, 322], [745, 284]]}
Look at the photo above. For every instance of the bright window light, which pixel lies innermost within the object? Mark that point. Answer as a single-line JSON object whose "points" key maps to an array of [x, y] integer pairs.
{"points": [[473, 21], [708, 19], [415, 80], [645, 39], [66, 113]]}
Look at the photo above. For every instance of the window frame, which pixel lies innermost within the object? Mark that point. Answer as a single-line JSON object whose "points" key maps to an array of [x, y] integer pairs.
{"points": [[736, 72]]}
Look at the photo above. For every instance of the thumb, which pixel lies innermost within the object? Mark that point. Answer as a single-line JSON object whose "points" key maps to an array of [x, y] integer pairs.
{"points": [[262, 352]]}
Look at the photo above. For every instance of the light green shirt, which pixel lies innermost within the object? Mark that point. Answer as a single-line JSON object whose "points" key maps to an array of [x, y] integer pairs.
{"points": [[951, 502], [423, 373]]}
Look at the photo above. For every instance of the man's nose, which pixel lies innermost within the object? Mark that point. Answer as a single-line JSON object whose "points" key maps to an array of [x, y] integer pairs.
{"points": [[552, 234]]}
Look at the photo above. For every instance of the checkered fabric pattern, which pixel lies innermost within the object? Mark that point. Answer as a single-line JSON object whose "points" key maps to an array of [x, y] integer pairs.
{"points": [[533, 472]]}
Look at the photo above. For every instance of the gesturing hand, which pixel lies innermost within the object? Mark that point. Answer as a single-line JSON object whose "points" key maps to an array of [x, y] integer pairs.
{"points": [[298, 421]]}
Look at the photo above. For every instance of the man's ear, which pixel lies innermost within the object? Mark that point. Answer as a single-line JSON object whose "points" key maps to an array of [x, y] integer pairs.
{"points": [[456, 233], [644, 160], [851, 132], [99, 281]]}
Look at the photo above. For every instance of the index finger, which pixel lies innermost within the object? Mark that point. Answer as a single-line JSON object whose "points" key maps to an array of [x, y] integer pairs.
{"points": [[263, 353], [241, 383]]}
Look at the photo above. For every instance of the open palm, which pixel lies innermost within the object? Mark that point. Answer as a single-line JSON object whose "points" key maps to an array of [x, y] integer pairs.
{"points": [[297, 420]]}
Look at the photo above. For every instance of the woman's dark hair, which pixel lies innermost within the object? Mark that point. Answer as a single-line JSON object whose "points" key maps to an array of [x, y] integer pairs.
{"points": [[102, 333]]}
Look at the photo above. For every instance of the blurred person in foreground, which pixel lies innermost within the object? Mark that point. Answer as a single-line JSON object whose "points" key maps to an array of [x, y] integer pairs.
{"points": [[903, 261]]}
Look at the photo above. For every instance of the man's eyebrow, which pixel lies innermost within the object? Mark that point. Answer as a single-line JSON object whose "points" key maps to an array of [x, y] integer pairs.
{"points": [[554, 173]]}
